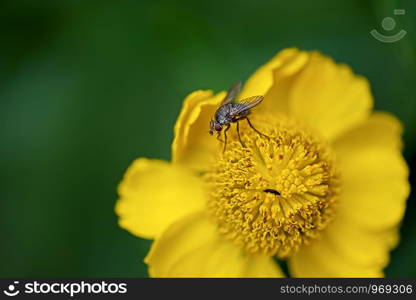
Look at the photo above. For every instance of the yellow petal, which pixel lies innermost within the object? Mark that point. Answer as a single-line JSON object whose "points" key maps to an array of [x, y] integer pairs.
{"points": [[344, 250], [374, 174], [192, 146], [381, 130], [371, 205], [274, 80], [188, 106], [329, 97], [192, 247], [153, 194]]}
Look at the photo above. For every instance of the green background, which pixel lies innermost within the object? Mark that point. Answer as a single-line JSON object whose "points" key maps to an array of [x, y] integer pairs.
{"points": [[88, 86]]}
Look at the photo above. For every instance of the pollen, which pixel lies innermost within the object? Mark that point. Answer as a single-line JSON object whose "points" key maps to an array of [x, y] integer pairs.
{"points": [[276, 193]]}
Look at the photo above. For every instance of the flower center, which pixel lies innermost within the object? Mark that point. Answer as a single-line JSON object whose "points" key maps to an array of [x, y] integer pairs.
{"points": [[276, 193]]}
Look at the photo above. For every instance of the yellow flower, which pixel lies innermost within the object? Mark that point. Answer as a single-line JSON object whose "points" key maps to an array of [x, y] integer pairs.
{"points": [[326, 191]]}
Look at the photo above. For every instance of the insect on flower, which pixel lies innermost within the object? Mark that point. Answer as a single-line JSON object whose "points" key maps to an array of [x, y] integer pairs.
{"points": [[231, 111]]}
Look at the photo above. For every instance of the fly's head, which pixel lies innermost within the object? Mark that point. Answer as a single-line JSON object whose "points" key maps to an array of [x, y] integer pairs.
{"points": [[214, 126]]}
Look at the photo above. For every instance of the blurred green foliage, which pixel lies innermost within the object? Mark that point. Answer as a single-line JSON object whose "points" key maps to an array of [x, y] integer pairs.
{"points": [[88, 86]]}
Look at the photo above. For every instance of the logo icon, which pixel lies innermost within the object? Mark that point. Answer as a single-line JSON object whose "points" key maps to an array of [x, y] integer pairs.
{"points": [[11, 291], [389, 24]]}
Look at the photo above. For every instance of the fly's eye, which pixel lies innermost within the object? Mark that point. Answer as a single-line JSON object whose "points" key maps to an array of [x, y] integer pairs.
{"points": [[217, 127]]}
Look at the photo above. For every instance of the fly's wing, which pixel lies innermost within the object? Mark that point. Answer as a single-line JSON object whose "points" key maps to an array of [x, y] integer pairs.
{"points": [[243, 106], [250, 102], [232, 93]]}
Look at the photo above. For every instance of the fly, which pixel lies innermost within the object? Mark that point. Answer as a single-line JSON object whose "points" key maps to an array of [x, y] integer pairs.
{"points": [[231, 111]]}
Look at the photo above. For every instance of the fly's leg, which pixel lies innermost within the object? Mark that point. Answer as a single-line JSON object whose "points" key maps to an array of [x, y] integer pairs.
{"points": [[225, 137], [218, 137], [252, 127], [238, 133]]}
